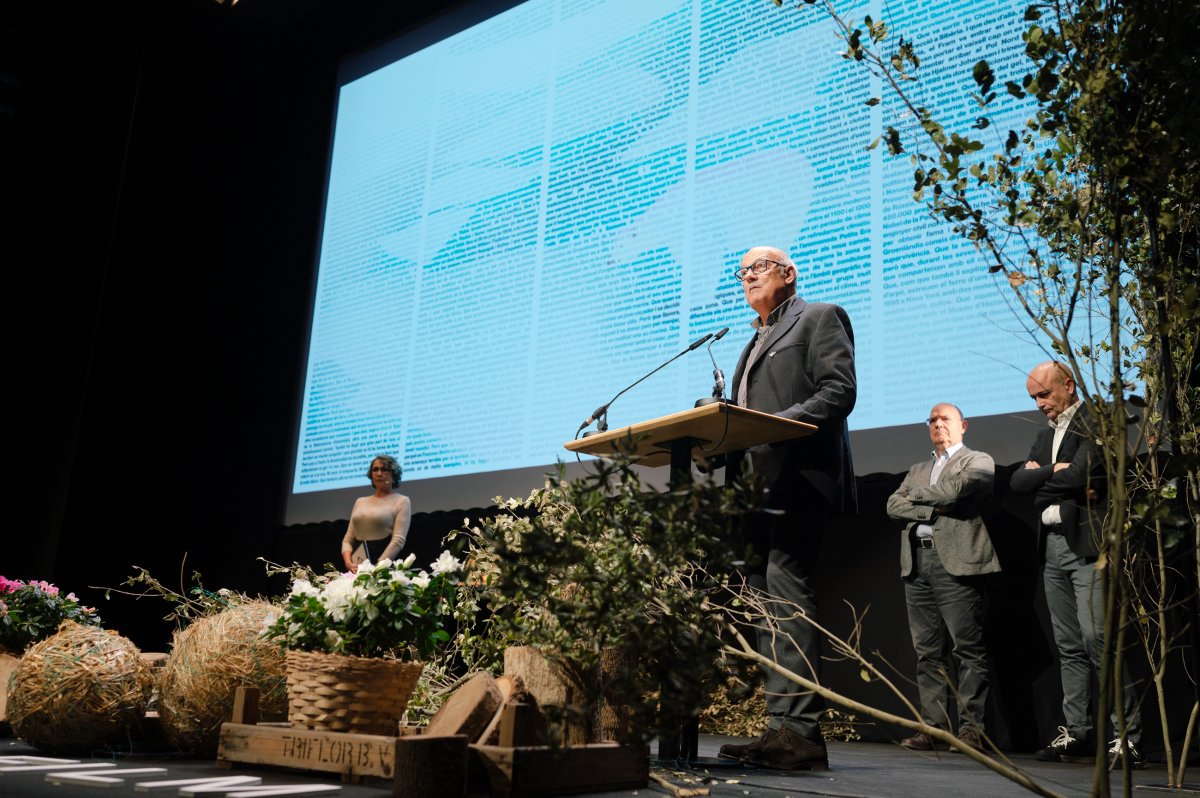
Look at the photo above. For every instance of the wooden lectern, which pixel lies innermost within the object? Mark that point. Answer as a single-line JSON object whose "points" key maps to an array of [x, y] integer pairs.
{"points": [[708, 431], [711, 430]]}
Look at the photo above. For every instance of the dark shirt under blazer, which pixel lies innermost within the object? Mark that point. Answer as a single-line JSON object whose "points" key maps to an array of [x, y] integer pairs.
{"points": [[805, 372], [1068, 487], [962, 491]]}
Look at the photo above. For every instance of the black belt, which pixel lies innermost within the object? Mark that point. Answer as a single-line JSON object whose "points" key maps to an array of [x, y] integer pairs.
{"points": [[924, 543]]}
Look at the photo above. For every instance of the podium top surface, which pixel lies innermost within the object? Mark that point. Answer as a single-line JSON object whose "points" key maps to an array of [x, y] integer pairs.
{"points": [[713, 429]]}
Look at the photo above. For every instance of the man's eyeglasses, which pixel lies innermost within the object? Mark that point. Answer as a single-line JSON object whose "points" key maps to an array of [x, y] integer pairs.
{"points": [[758, 267]]}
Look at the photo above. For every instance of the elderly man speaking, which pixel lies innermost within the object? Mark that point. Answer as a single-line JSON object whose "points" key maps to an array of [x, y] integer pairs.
{"points": [[799, 365]]}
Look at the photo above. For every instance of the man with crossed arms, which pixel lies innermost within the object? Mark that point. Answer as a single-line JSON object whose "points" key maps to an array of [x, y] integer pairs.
{"points": [[1064, 473], [944, 553]]}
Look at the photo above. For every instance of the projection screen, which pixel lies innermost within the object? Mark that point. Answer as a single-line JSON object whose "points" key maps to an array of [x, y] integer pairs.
{"points": [[528, 214]]}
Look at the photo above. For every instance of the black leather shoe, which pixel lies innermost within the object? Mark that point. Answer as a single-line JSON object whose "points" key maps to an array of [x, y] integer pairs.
{"points": [[787, 750], [740, 751]]}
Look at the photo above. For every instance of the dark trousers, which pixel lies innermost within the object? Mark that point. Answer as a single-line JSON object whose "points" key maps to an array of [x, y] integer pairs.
{"points": [[782, 552], [940, 604]]}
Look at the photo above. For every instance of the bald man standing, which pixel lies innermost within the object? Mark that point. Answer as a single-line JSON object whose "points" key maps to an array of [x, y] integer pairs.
{"points": [[1065, 475]]}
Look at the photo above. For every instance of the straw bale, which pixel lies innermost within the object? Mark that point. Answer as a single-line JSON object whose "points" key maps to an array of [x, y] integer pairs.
{"points": [[77, 690], [208, 662]]}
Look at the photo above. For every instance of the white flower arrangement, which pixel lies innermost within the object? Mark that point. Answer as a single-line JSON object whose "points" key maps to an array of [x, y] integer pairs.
{"points": [[387, 609]]}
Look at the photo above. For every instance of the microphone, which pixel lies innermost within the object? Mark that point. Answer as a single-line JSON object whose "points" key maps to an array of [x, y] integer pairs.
{"points": [[600, 414], [718, 391]]}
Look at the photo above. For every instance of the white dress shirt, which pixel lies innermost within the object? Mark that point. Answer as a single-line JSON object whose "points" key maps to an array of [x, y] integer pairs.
{"points": [[1052, 515], [939, 463]]}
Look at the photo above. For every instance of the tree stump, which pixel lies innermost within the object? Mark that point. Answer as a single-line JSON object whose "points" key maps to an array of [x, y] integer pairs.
{"points": [[559, 694]]}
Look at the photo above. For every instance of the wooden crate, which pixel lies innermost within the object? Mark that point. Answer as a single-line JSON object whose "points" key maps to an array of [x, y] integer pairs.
{"points": [[350, 755], [537, 771], [512, 770]]}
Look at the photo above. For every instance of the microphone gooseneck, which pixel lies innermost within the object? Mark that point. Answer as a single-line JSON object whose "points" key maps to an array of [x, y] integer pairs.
{"points": [[718, 375], [718, 391], [600, 415]]}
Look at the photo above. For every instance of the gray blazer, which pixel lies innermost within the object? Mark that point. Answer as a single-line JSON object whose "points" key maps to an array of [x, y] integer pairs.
{"points": [[805, 372], [959, 534]]}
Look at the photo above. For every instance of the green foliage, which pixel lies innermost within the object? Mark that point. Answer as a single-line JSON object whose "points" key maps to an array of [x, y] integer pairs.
{"points": [[600, 564], [33, 611], [388, 609]]}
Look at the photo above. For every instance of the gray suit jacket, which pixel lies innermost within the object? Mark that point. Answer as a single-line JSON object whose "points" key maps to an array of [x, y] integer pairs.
{"points": [[806, 372], [959, 534]]}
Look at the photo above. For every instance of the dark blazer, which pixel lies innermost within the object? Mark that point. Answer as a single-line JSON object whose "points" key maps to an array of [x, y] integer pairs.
{"points": [[1068, 487], [805, 372], [962, 491]]}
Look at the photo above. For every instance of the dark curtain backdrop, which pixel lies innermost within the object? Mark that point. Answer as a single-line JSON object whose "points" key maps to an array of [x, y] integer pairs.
{"points": [[163, 170]]}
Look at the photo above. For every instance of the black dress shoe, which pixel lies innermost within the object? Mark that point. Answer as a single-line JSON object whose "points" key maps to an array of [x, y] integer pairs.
{"points": [[787, 750], [740, 751]]}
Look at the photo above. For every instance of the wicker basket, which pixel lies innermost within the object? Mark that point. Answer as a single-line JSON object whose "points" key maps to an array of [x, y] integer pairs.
{"points": [[332, 692]]}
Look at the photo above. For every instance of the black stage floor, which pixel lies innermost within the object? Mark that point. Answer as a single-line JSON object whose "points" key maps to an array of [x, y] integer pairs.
{"points": [[858, 770]]}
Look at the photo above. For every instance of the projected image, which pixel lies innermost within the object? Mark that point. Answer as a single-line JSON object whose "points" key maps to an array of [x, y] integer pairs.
{"points": [[526, 217]]}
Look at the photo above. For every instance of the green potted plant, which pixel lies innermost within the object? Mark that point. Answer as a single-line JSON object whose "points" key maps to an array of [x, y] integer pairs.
{"points": [[32, 611]]}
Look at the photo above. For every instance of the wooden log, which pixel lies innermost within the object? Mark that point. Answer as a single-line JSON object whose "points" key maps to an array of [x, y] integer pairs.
{"points": [[542, 771], [469, 710], [430, 767], [558, 693], [511, 691]]}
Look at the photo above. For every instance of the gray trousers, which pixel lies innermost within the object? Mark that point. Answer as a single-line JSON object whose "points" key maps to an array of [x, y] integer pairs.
{"points": [[1075, 598], [939, 603]]}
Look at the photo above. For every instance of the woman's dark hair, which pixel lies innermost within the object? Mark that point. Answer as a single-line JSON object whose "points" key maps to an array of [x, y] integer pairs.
{"points": [[390, 464]]}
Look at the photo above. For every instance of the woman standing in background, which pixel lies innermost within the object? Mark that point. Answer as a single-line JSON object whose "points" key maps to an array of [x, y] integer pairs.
{"points": [[379, 522]]}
